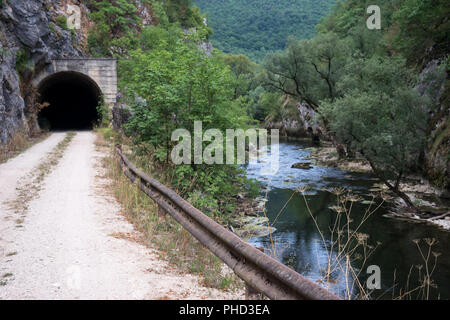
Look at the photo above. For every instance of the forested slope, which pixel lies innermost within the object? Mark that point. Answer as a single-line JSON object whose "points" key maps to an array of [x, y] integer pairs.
{"points": [[253, 27]]}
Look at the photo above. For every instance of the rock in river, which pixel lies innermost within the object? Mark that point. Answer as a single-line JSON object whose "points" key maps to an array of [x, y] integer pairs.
{"points": [[302, 165], [252, 227]]}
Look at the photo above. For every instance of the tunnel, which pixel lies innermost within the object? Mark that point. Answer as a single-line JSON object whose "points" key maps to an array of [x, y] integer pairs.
{"points": [[72, 100]]}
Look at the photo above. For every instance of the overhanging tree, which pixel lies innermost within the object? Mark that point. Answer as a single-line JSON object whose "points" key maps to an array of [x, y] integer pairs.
{"points": [[381, 116], [308, 71]]}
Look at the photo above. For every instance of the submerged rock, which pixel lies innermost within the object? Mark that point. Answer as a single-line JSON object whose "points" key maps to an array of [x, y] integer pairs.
{"points": [[252, 227], [302, 165]]}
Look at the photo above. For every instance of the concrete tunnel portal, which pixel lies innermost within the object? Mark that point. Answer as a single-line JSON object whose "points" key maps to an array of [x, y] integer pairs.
{"points": [[72, 99], [73, 88]]}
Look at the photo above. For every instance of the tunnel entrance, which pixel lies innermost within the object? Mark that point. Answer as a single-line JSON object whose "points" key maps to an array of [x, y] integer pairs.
{"points": [[73, 99]]}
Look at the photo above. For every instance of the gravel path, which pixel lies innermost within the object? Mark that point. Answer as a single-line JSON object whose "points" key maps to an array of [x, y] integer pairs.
{"points": [[66, 248], [14, 169]]}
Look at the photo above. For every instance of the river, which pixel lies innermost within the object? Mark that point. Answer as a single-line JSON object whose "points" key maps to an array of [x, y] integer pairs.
{"points": [[297, 241]]}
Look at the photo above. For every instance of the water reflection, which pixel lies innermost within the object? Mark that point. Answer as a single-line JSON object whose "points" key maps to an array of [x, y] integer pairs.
{"points": [[298, 242]]}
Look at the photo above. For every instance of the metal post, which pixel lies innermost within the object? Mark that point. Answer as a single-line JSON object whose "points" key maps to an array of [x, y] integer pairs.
{"points": [[250, 292], [161, 212]]}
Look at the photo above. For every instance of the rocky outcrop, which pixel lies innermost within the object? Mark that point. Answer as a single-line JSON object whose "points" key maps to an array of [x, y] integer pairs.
{"points": [[434, 82], [302, 165], [12, 113], [303, 124], [30, 38]]}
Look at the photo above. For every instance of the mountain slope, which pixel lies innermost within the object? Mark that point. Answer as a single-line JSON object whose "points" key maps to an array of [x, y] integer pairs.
{"points": [[253, 27]]}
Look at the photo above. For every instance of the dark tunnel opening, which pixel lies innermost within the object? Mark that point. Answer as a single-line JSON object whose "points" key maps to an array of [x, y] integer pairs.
{"points": [[73, 99]]}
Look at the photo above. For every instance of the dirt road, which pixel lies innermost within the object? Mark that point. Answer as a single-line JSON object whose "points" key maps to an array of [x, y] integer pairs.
{"points": [[60, 245]]}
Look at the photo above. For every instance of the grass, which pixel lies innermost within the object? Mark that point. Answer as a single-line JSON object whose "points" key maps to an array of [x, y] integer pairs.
{"points": [[174, 244], [18, 144], [62, 22]]}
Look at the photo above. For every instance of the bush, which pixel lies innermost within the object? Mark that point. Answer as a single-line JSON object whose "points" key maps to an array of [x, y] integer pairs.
{"points": [[62, 22], [381, 116], [116, 27], [104, 114]]}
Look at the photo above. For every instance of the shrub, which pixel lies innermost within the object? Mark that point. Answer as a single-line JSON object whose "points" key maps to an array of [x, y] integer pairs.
{"points": [[62, 22]]}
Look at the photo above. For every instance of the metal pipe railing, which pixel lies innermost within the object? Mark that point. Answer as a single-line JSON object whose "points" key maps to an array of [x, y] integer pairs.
{"points": [[257, 269]]}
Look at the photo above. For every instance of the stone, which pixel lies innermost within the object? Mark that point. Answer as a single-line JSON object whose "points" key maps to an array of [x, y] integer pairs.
{"points": [[302, 165], [252, 227]]}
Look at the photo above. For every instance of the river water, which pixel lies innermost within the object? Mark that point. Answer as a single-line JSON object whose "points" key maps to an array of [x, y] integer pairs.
{"points": [[297, 241]]}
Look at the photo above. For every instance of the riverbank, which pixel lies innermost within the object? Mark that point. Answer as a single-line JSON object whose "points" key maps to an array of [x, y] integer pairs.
{"points": [[294, 195], [423, 194]]}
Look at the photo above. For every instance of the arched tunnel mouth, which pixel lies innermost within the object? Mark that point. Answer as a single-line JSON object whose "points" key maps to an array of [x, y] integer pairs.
{"points": [[72, 100]]}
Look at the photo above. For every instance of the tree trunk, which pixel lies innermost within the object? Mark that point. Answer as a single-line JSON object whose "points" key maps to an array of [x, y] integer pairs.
{"points": [[340, 148], [404, 196], [395, 188]]}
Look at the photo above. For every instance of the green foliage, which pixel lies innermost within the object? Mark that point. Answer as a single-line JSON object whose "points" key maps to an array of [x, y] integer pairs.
{"points": [[104, 113], [62, 22], [255, 27], [266, 106], [409, 27], [379, 115], [349, 15], [159, 14], [283, 109], [179, 81], [357, 80], [183, 12], [243, 71], [348, 20], [116, 27], [24, 63], [422, 24], [170, 84], [308, 70]]}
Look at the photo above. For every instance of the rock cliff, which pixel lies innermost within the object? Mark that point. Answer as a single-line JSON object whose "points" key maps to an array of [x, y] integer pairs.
{"points": [[31, 35]]}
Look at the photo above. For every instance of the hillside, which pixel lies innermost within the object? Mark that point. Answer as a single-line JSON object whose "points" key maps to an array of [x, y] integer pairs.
{"points": [[254, 27]]}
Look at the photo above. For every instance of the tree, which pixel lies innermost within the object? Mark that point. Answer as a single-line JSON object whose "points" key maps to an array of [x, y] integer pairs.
{"points": [[308, 71], [290, 72], [116, 26], [381, 116], [173, 85], [328, 55], [244, 73], [255, 27], [169, 83]]}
